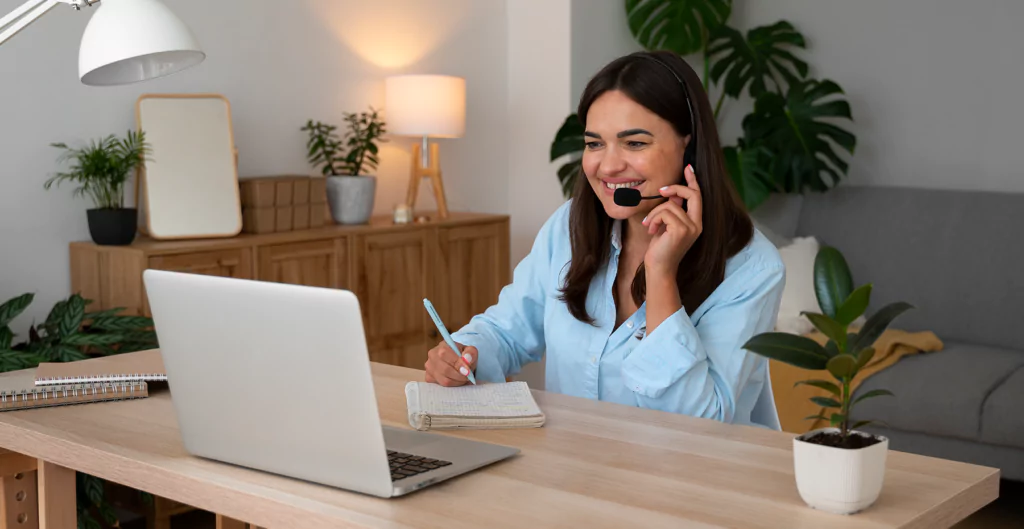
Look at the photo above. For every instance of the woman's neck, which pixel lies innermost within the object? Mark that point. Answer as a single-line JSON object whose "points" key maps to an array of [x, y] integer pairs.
{"points": [[635, 236]]}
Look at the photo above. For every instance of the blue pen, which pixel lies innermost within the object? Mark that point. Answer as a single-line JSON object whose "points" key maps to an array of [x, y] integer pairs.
{"points": [[447, 337]]}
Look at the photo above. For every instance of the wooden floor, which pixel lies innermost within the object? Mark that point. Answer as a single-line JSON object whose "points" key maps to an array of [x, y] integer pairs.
{"points": [[1005, 513]]}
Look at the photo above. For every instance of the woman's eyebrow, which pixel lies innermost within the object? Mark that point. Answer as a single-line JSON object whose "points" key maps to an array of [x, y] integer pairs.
{"points": [[623, 134]]}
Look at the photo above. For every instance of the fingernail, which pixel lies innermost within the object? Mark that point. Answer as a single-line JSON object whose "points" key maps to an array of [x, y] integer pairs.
{"points": [[464, 371], [467, 357], [664, 188], [644, 221]]}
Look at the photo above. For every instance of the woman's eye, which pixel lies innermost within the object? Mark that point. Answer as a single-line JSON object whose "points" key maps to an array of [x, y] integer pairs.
{"points": [[592, 144], [635, 144]]}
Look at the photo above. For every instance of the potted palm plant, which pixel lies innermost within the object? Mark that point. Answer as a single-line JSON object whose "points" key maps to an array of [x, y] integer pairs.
{"points": [[101, 169], [839, 468], [346, 163]]}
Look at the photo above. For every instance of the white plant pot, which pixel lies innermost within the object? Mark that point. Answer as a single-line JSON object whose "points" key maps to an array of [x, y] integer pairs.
{"points": [[351, 198], [839, 480]]}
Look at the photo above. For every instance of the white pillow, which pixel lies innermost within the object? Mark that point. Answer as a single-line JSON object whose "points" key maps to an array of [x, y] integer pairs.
{"points": [[798, 295]]}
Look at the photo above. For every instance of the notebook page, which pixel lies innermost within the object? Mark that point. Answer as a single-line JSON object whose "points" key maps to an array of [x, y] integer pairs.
{"points": [[511, 399]]}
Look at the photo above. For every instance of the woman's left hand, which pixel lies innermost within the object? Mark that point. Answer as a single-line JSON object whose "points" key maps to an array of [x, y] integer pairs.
{"points": [[674, 229]]}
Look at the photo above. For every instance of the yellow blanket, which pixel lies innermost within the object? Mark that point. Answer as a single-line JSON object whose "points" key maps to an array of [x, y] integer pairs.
{"points": [[794, 403]]}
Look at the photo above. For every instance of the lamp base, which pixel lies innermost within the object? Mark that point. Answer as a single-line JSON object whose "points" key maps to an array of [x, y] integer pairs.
{"points": [[433, 171]]}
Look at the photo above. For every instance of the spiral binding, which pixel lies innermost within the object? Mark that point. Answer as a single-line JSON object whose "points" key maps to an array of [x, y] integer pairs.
{"points": [[131, 377], [69, 394]]}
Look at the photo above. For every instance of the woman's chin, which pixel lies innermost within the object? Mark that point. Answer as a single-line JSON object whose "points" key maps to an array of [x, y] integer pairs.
{"points": [[618, 212]]}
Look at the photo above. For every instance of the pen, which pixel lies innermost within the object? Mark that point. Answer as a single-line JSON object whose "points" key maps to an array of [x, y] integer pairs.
{"points": [[447, 337]]}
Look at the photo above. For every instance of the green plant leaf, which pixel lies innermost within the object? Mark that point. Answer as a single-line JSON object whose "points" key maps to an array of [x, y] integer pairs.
{"points": [[750, 171], [756, 60], [837, 418], [826, 402], [855, 305], [823, 384], [83, 339], [569, 139], [859, 424], [831, 349], [878, 322], [568, 174], [800, 129], [72, 317], [873, 393], [680, 26], [864, 356], [65, 353], [816, 417], [15, 360], [842, 366], [832, 280], [6, 337], [792, 349], [121, 323], [13, 307], [829, 327]]}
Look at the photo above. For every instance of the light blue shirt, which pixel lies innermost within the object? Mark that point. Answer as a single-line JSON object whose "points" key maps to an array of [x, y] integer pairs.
{"points": [[693, 365]]}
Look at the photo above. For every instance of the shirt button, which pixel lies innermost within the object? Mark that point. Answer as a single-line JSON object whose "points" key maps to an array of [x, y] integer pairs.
{"points": [[593, 359], [629, 324]]}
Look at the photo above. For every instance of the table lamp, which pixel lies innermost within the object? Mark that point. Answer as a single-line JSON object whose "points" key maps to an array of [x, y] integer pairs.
{"points": [[126, 41], [428, 106]]}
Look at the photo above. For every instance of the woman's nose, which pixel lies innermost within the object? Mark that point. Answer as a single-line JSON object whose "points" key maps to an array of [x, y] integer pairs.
{"points": [[612, 162]]}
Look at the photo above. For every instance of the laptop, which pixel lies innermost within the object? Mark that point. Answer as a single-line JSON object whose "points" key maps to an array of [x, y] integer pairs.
{"points": [[276, 377]]}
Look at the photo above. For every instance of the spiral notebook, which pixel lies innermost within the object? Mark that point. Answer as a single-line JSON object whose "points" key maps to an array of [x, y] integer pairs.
{"points": [[483, 406], [141, 366], [18, 391]]}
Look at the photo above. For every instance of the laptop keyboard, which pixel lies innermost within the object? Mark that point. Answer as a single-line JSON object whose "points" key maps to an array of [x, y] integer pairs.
{"points": [[405, 465]]}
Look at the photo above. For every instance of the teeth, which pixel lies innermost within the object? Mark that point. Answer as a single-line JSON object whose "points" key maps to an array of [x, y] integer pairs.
{"points": [[627, 184]]}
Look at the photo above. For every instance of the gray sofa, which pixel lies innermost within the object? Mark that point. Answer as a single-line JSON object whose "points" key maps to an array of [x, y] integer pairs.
{"points": [[959, 258]]}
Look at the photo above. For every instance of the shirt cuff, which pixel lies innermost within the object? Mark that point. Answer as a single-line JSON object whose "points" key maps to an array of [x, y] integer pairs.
{"points": [[488, 368], [663, 356]]}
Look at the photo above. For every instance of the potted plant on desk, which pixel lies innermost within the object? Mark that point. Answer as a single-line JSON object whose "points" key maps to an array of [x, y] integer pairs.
{"points": [[838, 469], [102, 168], [350, 188]]}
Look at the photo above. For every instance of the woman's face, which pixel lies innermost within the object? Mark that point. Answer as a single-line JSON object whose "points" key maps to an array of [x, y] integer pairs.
{"points": [[627, 145]]}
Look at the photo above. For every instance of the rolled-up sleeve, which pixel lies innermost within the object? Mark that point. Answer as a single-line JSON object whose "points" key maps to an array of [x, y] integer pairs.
{"points": [[700, 370], [510, 333]]}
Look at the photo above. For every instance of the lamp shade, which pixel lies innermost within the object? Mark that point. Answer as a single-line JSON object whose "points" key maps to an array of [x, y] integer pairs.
{"points": [[426, 105], [127, 41]]}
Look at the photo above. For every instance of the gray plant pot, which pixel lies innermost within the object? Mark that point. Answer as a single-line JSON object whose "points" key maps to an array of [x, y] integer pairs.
{"points": [[351, 198]]}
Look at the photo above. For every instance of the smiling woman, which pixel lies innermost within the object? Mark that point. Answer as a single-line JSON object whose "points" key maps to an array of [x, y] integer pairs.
{"points": [[645, 305]]}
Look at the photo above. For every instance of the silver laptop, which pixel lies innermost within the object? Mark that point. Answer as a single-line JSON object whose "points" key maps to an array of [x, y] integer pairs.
{"points": [[276, 377]]}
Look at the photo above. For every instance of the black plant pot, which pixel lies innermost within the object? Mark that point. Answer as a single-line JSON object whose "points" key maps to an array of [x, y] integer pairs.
{"points": [[113, 227]]}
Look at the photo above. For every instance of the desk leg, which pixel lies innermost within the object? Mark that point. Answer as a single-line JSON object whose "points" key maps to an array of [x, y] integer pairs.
{"points": [[56, 497], [223, 522]]}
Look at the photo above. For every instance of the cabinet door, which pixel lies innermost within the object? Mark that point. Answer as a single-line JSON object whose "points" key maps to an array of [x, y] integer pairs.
{"points": [[391, 282], [225, 263], [472, 266], [312, 263]]}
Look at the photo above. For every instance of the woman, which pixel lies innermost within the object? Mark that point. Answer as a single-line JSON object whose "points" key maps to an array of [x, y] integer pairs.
{"points": [[648, 305]]}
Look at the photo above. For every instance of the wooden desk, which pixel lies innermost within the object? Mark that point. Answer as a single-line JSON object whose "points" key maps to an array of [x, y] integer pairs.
{"points": [[593, 465]]}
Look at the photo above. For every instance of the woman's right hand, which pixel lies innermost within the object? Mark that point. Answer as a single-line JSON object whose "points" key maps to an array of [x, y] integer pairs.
{"points": [[443, 365]]}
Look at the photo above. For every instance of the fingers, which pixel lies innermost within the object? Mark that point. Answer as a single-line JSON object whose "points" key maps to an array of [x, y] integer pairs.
{"points": [[690, 192], [659, 215], [443, 366]]}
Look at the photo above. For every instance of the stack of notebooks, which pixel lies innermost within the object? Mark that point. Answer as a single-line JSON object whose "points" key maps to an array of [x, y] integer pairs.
{"points": [[117, 377], [484, 406]]}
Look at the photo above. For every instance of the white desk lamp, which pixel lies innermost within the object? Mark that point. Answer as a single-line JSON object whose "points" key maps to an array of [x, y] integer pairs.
{"points": [[126, 41]]}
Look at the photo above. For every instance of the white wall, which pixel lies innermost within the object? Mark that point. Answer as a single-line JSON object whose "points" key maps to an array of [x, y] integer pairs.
{"points": [[279, 63], [934, 85]]}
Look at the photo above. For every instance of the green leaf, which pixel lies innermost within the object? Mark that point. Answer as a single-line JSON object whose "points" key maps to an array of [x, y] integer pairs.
{"points": [[66, 353], [858, 424], [831, 349], [829, 327], [567, 175], [864, 356], [93, 488], [83, 339], [816, 417], [837, 418], [878, 322], [792, 349], [15, 360], [13, 307], [102, 314], [823, 384], [873, 393], [842, 366], [121, 323], [832, 280], [680, 26], [855, 305], [6, 337], [750, 171], [800, 129], [826, 402], [757, 60], [569, 139]]}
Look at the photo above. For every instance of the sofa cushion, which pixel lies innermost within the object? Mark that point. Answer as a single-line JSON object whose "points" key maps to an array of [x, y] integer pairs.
{"points": [[1002, 420], [955, 255], [940, 393]]}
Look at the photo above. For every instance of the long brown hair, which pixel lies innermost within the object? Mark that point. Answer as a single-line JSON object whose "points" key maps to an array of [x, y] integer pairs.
{"points": [[727, 227]]}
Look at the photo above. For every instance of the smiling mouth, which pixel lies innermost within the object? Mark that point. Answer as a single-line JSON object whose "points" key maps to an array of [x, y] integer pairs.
{"points": [[613, 187]]}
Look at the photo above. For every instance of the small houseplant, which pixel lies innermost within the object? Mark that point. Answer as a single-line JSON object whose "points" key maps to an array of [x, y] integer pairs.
{"points": [[101, 169], [838, 469], [346, 163]]}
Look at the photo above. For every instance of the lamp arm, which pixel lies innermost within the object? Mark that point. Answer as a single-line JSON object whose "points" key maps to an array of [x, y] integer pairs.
{"points": [[28, 12]]}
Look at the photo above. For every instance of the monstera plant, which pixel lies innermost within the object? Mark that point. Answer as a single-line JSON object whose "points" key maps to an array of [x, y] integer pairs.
{"points": [[791, 139]]}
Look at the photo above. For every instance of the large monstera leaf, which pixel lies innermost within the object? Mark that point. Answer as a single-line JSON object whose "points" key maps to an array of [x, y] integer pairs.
{"points": [[750, 170], [798, 129], [569, 141], [677, 25], [758, 61]]}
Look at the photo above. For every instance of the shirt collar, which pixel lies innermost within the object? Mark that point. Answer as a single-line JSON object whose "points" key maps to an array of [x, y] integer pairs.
{"points": [[617, 235]]}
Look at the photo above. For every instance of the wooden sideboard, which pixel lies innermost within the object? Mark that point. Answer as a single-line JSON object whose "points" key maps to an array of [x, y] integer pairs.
{"points": [[460, 264]]}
